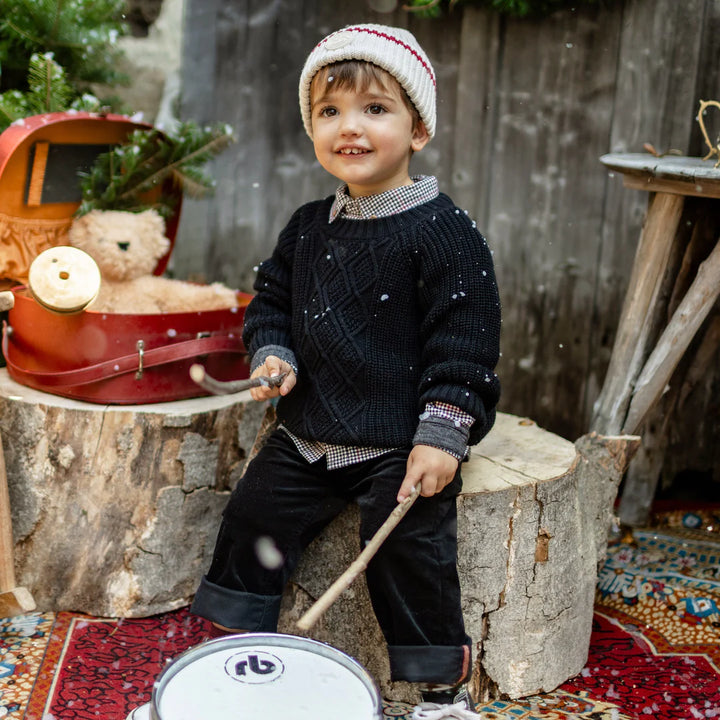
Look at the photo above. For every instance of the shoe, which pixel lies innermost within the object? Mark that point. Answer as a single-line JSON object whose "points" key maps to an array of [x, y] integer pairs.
{"points": [[445, 705]]}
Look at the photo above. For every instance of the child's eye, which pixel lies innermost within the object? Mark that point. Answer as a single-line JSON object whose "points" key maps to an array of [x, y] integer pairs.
{"points": [[376, 109], [328, 112]]}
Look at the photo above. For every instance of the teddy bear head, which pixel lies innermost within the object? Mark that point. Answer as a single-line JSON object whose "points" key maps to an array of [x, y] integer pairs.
{"points": [[125, 245]]}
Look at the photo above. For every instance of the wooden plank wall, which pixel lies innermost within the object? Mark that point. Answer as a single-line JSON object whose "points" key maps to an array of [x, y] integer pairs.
{"points": [[526, 107]]}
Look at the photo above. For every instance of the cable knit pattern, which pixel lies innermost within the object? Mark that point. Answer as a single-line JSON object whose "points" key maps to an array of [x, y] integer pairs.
{"points": [[383, 316]]}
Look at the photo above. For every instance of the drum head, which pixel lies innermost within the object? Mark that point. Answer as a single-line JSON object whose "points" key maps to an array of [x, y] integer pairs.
{"points": [[265, 677], [64, 279]]}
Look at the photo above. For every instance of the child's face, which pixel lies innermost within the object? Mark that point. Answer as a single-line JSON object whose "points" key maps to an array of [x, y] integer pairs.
{"points": [[364, 137]]}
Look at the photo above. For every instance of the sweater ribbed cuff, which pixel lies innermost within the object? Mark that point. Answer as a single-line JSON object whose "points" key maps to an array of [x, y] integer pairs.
{"points": [[285, 354], [442, 433]]}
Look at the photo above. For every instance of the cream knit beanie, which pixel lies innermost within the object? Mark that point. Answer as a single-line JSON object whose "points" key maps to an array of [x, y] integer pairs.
{"points": [[393, 49]]}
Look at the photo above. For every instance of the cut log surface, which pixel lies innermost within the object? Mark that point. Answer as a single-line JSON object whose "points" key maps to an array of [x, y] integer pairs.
{"points": [[533, 519], [115, 509]]}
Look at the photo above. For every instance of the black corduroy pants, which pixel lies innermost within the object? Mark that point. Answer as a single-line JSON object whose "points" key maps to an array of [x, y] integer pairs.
{"points": [[412, 580]]}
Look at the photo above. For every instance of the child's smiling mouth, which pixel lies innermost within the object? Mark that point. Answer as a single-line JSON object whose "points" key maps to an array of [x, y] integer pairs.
{"points": [[353, 151]]}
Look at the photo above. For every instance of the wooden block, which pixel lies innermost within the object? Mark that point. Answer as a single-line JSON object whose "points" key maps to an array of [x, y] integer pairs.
{"points": [[532, 530], [16, 602]]}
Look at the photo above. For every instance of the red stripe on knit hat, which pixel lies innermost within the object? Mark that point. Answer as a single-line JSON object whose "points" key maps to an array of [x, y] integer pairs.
{"points": [[391, 38]]}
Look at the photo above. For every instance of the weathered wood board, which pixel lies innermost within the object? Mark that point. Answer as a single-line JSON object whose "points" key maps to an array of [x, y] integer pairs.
{"points": [[526, 109]]}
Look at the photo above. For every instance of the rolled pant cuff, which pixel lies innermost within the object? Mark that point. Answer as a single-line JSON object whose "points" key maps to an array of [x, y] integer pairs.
{"points": [[430, 663], [236, 609]]}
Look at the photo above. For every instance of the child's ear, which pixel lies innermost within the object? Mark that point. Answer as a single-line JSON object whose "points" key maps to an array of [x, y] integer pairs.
{"points": [[420, 137]]}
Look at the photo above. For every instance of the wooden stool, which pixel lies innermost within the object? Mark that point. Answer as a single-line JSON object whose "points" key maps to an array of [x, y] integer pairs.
{"points": [[643, 359], [115, 509], [533, 522]]}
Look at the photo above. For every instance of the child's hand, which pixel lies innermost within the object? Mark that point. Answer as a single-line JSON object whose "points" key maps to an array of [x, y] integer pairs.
{"points": [[271, 367], [432, 467]]}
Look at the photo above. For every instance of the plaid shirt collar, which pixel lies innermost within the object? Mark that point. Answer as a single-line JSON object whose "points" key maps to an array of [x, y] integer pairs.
{"points": [[390, 202]]}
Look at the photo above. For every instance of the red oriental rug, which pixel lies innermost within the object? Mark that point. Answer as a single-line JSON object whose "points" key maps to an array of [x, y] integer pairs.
{"points": [[654, 653]]}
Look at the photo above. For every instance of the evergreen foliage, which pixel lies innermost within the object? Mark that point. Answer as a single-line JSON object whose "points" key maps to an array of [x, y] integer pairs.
{"points": [[48, 91], [126, 177], [514, 8], [80, 34]]}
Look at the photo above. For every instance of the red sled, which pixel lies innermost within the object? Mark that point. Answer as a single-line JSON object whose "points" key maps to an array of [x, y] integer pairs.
{"points": [[97, 357]]}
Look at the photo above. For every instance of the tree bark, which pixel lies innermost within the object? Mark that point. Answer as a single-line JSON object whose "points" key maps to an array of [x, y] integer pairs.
{"points": [[115, 509], [533, 519]]}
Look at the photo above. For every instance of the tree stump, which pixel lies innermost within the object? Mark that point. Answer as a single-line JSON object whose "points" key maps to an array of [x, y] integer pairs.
{"points": [[115, 509], [533, 520]]}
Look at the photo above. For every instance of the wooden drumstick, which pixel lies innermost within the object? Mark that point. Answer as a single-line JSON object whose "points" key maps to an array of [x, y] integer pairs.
{"points": [[358, 565], [229, 387]]}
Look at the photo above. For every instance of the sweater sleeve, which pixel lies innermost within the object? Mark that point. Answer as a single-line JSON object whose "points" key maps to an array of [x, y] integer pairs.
{"points": [[460, 330], [268, 317], [445, 427]]}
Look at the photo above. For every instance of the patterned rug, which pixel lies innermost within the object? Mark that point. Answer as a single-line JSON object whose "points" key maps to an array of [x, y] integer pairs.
{"points": [[654, 653]]}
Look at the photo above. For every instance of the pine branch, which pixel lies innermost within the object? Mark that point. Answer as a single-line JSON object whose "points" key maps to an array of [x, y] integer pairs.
{"points": [[49, 91], [44, 75], [146, 161], [81, 34], [200, 155], [25, 35], [8, 111], [196, 186], [58, 9]]}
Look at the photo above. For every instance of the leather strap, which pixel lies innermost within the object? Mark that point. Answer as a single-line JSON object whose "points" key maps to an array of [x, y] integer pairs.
{"points": [[140, 360]]}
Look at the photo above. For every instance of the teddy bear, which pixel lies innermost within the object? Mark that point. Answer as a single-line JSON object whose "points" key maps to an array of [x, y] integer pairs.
{"points": [[126, 247]]}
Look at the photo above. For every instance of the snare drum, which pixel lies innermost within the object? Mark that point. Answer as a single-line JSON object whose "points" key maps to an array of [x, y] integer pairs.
{"points": [[261, 676]]}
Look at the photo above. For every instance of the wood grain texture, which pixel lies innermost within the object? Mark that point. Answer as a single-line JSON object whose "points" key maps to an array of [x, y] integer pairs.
{"points": [[635, 338], [115, 509], [7, 548], [526, 109]]}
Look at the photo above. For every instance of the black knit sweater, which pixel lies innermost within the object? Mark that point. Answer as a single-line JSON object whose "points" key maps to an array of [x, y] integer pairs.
{"points": [[382, 316]]}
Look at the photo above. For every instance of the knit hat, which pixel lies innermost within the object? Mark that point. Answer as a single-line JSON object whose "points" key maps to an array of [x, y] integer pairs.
{"points": [[393, 49]]}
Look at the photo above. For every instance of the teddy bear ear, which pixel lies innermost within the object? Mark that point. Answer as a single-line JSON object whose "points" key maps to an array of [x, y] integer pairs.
{"points": [[153, 217], [152, 213], [156, 223]]}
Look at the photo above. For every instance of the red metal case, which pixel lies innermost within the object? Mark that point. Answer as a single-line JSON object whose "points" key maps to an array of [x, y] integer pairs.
{"points": [[92, 356]]}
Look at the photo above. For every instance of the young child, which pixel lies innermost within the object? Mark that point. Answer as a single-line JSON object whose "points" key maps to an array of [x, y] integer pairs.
{"points": [[379, 304]]}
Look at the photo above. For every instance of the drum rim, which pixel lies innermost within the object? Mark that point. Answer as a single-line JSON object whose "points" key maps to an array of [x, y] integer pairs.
{"points": [[271, 639]]}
